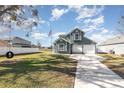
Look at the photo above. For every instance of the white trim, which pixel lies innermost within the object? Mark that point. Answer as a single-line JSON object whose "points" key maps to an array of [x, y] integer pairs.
{"points": [[61, 49], [79, 37]]}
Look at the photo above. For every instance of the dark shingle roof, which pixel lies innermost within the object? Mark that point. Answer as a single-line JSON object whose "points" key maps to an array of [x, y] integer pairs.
{"points": [[63, 37]]}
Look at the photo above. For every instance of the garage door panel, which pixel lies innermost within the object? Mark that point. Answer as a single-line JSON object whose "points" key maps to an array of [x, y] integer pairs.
{"points": [[77, 48], [89, 49]]}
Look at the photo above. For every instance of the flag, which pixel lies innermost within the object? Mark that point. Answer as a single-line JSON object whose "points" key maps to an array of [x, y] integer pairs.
{"points": [[50, 33]]}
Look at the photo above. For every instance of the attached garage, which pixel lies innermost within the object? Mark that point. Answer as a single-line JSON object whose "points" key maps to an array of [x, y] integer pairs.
{"points": [[89, 49], [76, 48], [86, 49]]}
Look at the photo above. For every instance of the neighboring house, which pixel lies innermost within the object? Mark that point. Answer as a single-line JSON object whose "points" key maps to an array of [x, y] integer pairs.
{"points": [[74, 42], [4, 43], [115, 45], [18, 46], [17, 42]]}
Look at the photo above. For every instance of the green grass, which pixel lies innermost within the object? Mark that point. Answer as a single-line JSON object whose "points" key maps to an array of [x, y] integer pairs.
{"points": [[114, 62], [41, 70]]}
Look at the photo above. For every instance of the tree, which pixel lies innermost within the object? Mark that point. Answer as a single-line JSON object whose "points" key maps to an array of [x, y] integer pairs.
{"points": [[17, 15], [39, 45], [16, 12]]}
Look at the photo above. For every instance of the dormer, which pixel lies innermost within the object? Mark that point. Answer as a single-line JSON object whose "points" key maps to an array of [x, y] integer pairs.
{"points": [[76, 35]]}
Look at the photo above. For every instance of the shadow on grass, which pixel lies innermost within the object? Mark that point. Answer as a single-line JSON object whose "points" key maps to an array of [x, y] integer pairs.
{"points": [[24, 67], [115, 63], [28, 66]]}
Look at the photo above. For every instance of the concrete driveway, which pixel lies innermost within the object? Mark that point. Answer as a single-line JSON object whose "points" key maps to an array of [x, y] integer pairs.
{"points": [[91, 73]]}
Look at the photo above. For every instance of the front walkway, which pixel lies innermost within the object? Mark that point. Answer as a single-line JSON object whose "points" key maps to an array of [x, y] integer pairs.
{"points": [[91, 73]]}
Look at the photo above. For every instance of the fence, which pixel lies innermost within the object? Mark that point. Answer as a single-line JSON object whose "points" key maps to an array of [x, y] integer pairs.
{"points": [[4, 50]]}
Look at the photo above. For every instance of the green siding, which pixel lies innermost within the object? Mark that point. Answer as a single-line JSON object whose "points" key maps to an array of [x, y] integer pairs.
{"points": [[64, 42], [67, 40]]}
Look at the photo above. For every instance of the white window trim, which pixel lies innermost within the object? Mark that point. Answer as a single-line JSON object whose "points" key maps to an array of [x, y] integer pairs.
{"points": [[79, 37], [61, 49]]}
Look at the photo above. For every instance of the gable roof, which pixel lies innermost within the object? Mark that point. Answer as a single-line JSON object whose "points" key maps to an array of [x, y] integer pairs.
{"points": [[89, 40], [75, 30], [15, 37], [63, 37], [114, 40]]}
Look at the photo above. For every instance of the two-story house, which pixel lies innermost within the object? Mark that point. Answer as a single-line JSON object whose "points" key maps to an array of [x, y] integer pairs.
{"points": [[74, 42]]}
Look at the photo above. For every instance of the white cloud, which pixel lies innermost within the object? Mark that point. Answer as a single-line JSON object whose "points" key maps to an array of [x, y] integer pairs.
{"points": [[38, 35], [87, 12], [27, 25], [82, 11], [90, 28], [75, 7], [4, 29], [58, 33], [90, 17], [100, 37], [105, 31], [57, 13], [93, 24], [96, 21]]}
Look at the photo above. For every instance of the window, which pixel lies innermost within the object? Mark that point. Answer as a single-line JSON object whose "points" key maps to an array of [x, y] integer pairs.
{"points": [[61, 47], [77, 36]]}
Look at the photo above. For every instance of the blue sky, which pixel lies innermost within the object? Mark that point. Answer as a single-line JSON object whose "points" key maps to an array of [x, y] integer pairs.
{"points": [[98, 22]]}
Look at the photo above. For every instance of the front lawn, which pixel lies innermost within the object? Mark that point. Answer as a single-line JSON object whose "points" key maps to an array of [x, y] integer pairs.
{"points": [[40, 70], [114, 62]]}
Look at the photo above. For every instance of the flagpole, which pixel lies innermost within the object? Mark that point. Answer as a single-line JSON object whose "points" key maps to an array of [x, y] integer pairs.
{"points": [[51, 44], [51, 38]]}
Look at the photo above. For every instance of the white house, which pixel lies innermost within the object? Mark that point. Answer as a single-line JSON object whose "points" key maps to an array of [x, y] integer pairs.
{"points": [[18, 46], [115, 45], [18, 42]]}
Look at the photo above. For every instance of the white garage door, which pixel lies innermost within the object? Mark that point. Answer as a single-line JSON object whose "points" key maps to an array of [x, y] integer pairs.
{"points": [[89, 49], [77, 48]]}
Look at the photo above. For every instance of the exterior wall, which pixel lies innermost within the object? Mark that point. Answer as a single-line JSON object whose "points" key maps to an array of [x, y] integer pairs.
{"points": [[19, 42], [56, 47], [4, 50], [72, 35], [118, 48]]}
